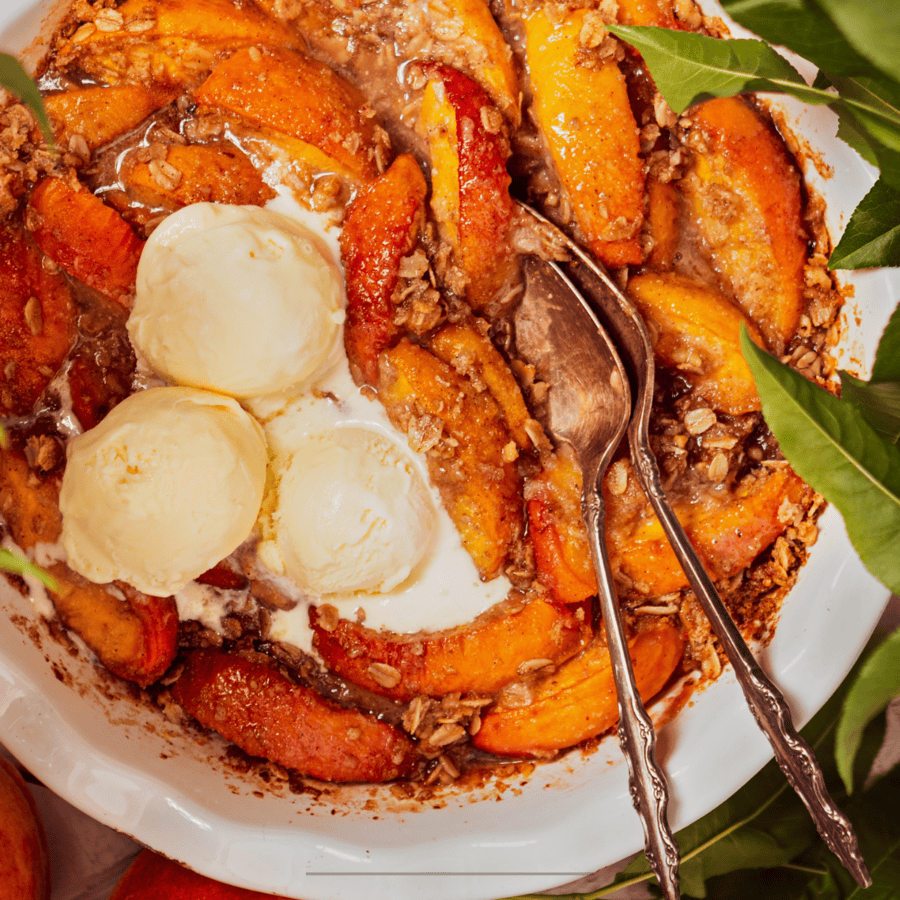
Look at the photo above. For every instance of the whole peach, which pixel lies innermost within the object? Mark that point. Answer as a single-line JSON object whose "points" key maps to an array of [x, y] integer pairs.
{"points": [[24, 858], [153, 877]]}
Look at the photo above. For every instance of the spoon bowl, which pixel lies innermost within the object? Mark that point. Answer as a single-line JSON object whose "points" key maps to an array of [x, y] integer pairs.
{"points": [[559, 334]]}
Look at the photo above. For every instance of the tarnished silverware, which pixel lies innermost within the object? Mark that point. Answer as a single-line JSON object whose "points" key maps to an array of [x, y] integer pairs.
{"points": [[794, 755], [589, 408]]}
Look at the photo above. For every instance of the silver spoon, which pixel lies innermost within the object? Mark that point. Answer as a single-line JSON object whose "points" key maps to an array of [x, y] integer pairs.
{"points": [[589, 407], [794, 755]]}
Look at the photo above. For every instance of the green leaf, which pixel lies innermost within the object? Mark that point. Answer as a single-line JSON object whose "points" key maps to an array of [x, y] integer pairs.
{"points": [[879, 399], [870, 746], [850, 131], [872, 689], [16, 80], [771, 884], [11, 562], [879, 403], [873, 102], [888, 160], [854, 136], [817, 873], [872, 236], [751, 847], [871, 90], [688, 67], [871, 26], [874, 817], [887, 359], [802, 27], [833, 448]]}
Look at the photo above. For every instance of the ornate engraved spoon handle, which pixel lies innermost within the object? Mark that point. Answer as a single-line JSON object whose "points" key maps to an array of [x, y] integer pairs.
{"points": [[637, 737], [793, 753]]}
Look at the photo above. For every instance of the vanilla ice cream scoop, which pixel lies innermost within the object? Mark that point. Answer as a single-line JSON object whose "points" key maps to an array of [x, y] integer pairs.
{"points": [[352, 514], [236, 299], [167, 485]]}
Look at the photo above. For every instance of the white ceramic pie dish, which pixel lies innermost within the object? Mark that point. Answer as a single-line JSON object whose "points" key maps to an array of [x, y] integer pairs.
{"points": [[126, 766]]}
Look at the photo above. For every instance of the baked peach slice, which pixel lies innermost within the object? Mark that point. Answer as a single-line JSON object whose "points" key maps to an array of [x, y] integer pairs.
{"points": [[496, 71], [472, 353], [697, 330], [743, 192], [488, 57], [271, 145], [84, 236], [477, 480], [662, 224], [480, 657], [171, 42], [586, 118], [29, 504], [311, 20], [647, 12], [96, 388], [99, 115], [257, 708], [562, 555], [196, 173], [301, 98], [579, 700], [729, 529], [225, 576], [380, 228], [134, 635], [470, 185], [37, 321]]}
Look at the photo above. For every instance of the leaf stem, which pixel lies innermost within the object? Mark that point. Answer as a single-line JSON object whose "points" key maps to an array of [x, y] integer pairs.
{"points": [[810, 870], [12, 562]]}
